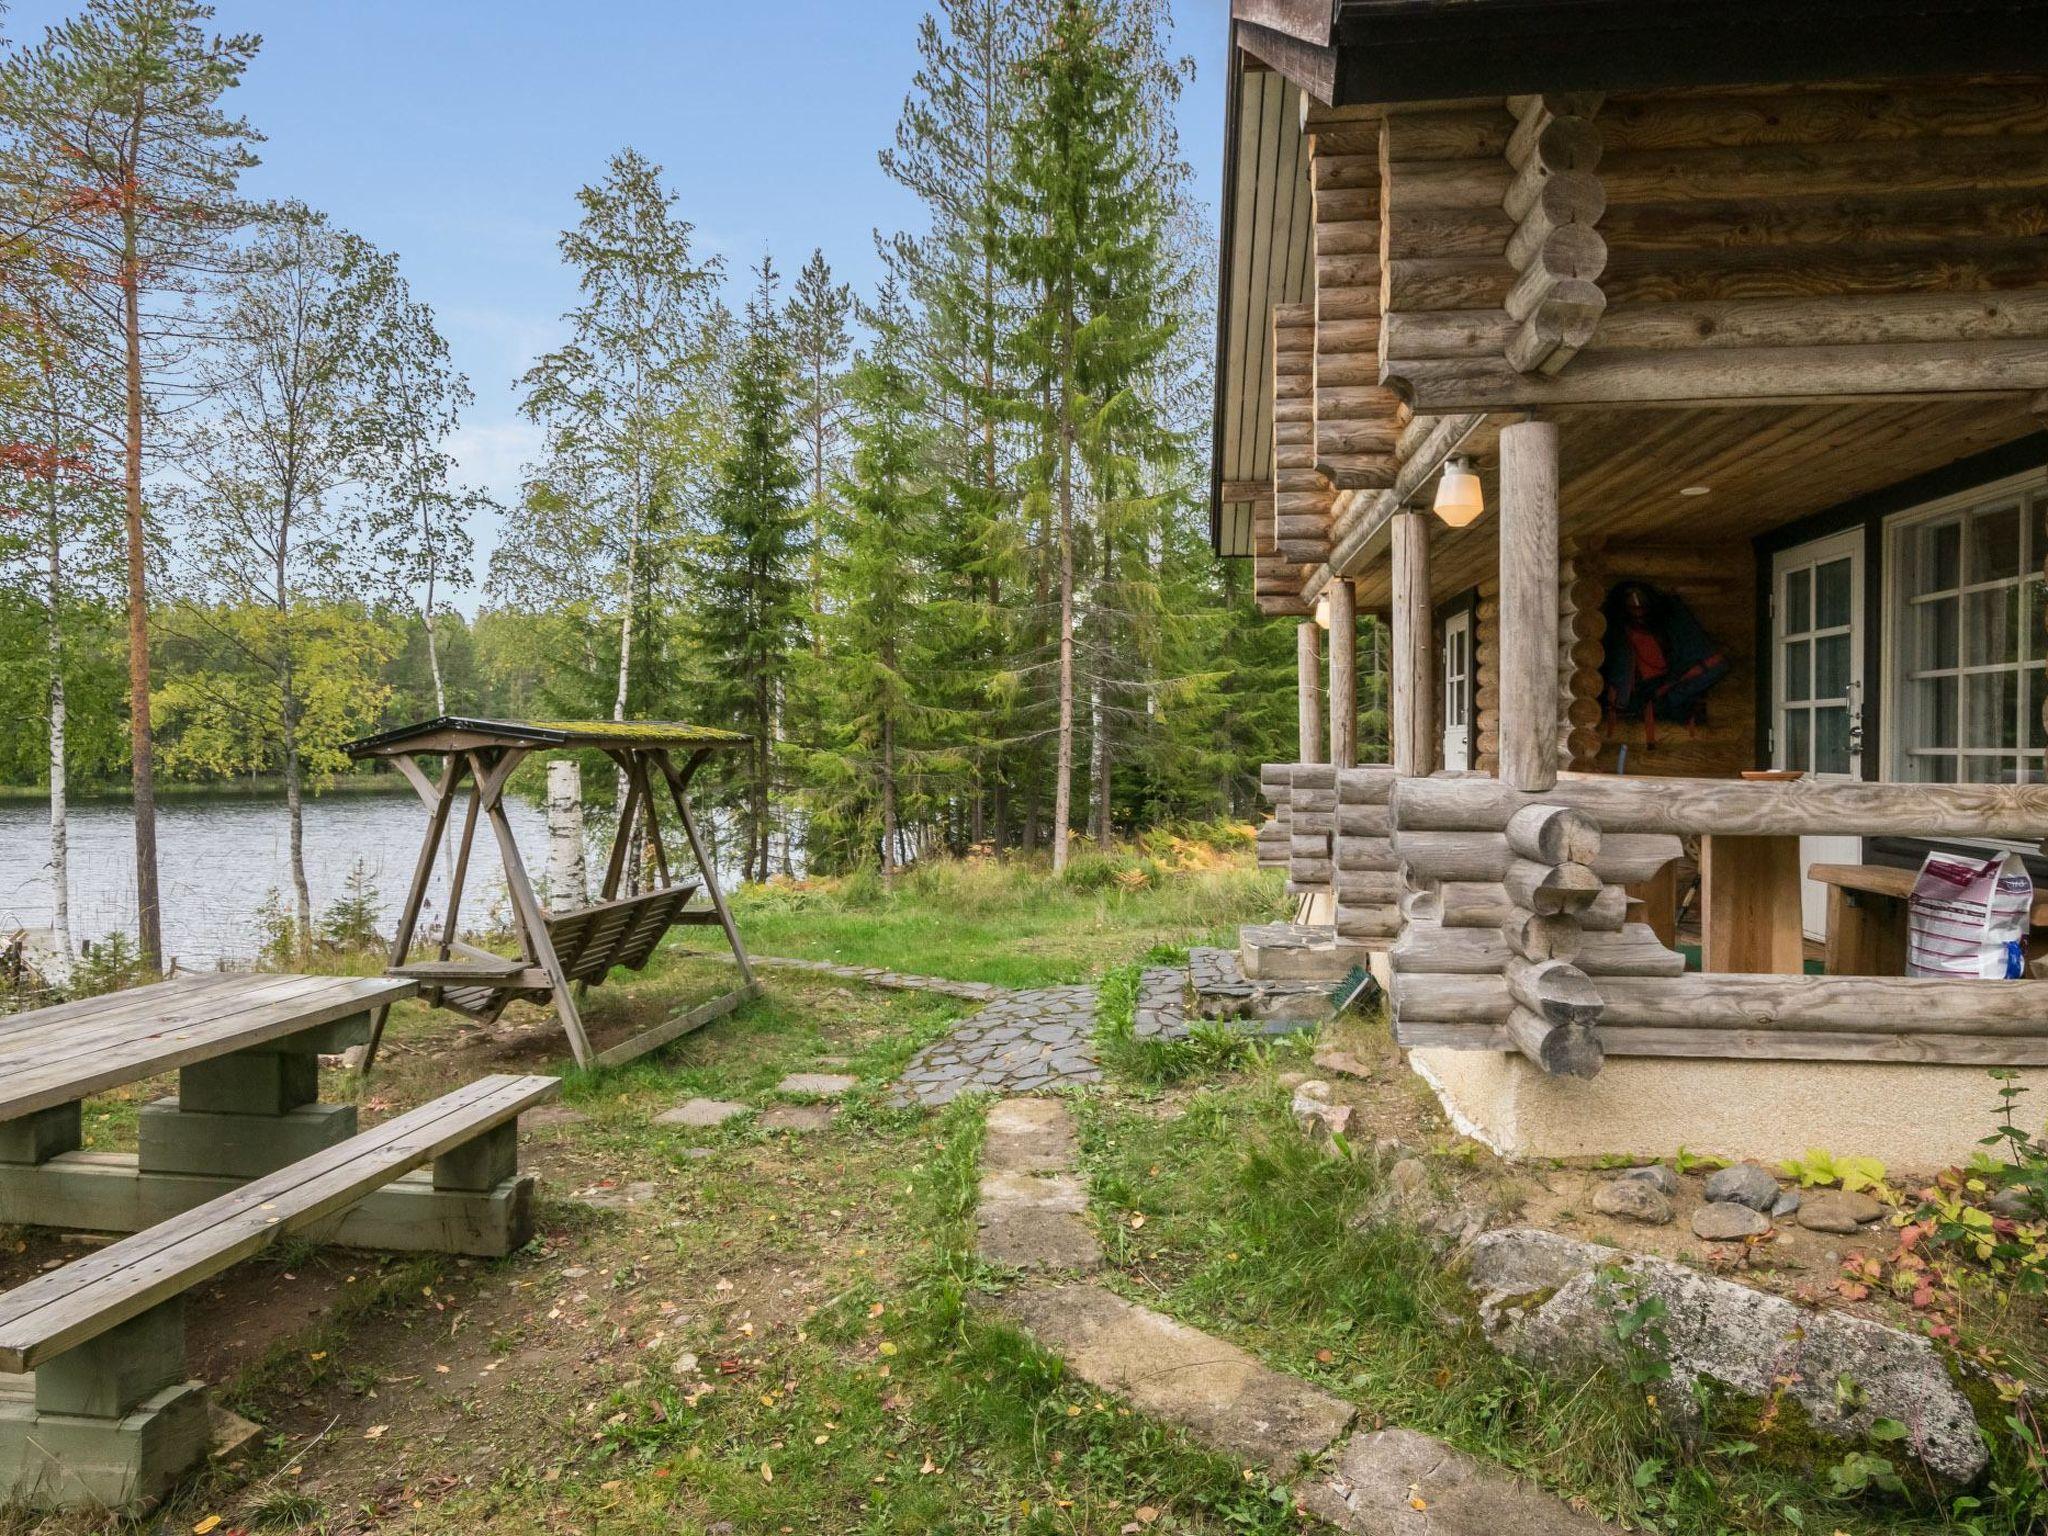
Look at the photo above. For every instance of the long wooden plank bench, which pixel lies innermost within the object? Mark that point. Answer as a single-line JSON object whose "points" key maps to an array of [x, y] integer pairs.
{"points": [[114, 1418]]}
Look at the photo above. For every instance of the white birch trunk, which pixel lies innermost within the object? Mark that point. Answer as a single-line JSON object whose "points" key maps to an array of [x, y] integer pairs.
{"points": [[567, 880]]}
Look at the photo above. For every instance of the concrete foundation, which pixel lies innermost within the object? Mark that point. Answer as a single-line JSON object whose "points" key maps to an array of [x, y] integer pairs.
{"points": [[1911, 1116], [1297, 952]]}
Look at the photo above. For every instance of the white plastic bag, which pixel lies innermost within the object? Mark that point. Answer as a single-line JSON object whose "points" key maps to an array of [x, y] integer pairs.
{"points": [[1969, 917]]}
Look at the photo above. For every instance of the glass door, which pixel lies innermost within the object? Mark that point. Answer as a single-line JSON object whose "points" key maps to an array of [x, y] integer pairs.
{"points": [[1455, 647], [1817, 684]]}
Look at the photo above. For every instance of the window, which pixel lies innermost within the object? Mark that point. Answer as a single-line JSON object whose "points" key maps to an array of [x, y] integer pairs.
{"points": [[1970, 673]]}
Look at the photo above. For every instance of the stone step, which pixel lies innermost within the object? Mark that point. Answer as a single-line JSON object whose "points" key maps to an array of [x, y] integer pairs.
{"points": [[1395, 1480], [1032, 1212], [1223, 1397]]}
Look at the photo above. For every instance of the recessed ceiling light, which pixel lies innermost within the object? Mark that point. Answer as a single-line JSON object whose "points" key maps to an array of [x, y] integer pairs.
{"points": [[1694, 490]]}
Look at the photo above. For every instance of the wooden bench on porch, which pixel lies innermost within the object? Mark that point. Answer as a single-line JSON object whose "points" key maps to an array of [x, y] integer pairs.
{"points": [[113, 1418]]}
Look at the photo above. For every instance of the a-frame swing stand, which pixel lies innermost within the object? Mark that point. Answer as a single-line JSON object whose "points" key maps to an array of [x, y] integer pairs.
{"points": [[561, 952]]}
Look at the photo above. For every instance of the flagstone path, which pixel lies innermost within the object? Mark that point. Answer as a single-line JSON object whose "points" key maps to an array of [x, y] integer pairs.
{"points": [[1029, 1041]]}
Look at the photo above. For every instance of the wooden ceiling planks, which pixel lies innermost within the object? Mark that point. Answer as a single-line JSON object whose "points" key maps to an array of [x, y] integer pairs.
{"points": [[1622, 472]]}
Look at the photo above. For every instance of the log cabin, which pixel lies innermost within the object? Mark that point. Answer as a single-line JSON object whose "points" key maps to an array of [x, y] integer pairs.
{"points": [[1671, 381]]}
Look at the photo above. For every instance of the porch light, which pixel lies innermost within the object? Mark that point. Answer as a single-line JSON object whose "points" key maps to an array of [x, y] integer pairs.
{"points": [[1323, 611], [1459, 500]]}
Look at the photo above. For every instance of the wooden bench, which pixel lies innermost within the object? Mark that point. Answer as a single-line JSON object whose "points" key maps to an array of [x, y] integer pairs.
{"points": [[114, 1419], [1868, 917]]}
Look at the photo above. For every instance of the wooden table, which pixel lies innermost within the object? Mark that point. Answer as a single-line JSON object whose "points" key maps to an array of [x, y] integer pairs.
{"points": [[246, 1049], [1750, 917], [1868, 918]]}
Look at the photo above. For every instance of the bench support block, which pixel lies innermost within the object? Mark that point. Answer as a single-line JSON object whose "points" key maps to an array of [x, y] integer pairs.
{"points": [[43, 1135], [112, 1422], [171, 1139], [105, 1192]]}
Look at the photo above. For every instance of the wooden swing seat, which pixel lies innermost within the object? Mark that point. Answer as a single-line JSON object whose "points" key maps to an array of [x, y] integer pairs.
{"points": [[561, 953]]}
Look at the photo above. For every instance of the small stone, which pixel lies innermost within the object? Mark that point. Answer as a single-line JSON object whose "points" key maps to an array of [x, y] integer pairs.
{"points": [[1728, 1221], [798, 1117], [685, 1364], [1744, 1184], [1786, 1205], [1657, 1176], [1633, 1200], [700, 1114], [1343, 1063], [1839, 1210], [2015, 1204], [822, 1085], [1408, 1178]]}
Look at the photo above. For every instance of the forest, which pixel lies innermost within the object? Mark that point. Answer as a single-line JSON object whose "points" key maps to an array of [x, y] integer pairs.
{"points": [[938, 549]]}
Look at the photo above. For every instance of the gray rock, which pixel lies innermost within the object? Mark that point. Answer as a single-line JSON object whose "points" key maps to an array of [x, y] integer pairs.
{"points": [[1343, 1063], [1032, 1223], [1633, 1200], [1838, 1210], [1408, 1179], [1787, 1204], [701, 1114], [1388, 1481], [1316, 1115], [1221, 1396], [797, 1117], [2015, 1204], [1727, 1221], [1745, 1184], [823, 1085], [1547, 1300], [1656, 1174]]}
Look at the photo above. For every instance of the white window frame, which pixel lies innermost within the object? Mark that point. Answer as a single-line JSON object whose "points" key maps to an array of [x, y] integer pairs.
{"points": [[1850, 545], [2031, 487]]}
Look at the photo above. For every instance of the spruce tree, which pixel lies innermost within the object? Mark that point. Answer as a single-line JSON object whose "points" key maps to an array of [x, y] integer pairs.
{"points": [[1086, 233], [881, 631], [749, 591], [818, 343]]}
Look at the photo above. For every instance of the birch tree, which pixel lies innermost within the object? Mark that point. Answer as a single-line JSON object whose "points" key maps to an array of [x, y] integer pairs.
{"points": [[119, 161], [613, 401]]}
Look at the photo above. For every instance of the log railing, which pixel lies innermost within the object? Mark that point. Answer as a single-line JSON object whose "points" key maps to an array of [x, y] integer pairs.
{"points": [[1517, 939], [1329, 832]]}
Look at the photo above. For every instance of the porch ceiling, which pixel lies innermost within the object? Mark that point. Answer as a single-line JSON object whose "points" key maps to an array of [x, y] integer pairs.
{"points": [[1764, 466]]}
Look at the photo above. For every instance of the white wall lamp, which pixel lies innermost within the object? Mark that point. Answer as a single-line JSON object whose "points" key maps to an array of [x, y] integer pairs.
{"points": [[1323, 611], [1459, 500]]}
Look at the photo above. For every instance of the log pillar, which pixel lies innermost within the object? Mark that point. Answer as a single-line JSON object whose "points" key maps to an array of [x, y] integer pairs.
{"points": [[1528, 605], [1343, 673], [1308, 661], [1415, 683]]}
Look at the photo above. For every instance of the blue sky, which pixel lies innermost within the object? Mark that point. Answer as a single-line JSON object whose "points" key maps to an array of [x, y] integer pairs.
{"points": [[455, 133]]}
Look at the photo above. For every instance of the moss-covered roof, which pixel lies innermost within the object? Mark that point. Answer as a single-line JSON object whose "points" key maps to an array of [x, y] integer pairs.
{"points": [[456, 733]]}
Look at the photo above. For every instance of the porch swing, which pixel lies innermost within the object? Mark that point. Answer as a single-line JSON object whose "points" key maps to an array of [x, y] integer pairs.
{"points": [[561, 952]]}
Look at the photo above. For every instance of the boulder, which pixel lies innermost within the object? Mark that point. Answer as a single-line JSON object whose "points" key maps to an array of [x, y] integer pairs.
{"points": [[1744, 1184], [1656, 1175], [1727, 1221], [1633, 1200], [1321, 1120], [1551, 1302], [1838, 1210]]}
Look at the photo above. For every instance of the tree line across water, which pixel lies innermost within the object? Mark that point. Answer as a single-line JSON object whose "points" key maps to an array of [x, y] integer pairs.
{"points": [[938, 549]]}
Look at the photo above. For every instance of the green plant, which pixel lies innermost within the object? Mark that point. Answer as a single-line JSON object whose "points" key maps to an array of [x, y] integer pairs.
{"points": [[351, 923], [1820, 1167]]}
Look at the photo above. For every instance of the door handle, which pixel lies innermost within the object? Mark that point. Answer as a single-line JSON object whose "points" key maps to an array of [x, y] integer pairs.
{"points": [[1855, 697]]}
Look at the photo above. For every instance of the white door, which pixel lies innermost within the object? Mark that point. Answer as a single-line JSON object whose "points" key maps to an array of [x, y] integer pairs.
{"points": [[1817, 684], [1455, 647]]}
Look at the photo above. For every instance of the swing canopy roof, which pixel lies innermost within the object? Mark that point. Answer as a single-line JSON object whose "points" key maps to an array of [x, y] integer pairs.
{"points": [[458, 733]]}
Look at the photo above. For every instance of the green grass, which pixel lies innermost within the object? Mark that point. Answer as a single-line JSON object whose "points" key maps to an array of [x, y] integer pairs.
{"points": [[1253, 1233], [1009, 923]]}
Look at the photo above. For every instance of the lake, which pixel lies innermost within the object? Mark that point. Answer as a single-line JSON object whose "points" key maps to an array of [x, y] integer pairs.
{"points": [[218, 857]]}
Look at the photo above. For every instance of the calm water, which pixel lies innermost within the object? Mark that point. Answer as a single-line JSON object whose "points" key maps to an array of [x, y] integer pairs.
{"points": [[219, 858]]}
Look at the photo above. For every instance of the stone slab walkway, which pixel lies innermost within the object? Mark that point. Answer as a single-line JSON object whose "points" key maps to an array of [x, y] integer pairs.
{"points": [[1032, 1213], [1162, 1012], [1024, 1042], [1397, 1480]]}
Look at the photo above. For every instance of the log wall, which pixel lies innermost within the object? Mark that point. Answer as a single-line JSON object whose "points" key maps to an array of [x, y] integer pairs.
{"points": [[1517, 936], [1330, 832]]}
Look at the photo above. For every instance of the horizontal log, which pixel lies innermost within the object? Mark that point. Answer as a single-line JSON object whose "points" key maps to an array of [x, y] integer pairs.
{"points": [[1367, 887], [1736, 807], [1450, 282], [1572, 198], [1825, 170], [1484, 904], [1920, 1004], [1365, 853], [1562, 1048], [1564, 320], [1624, 858], [1748, 1045], [1832, 116], [1551, 888], [1451, 999], [1360, 471], [1481, 182], [1789, 374], [1540, 936], [1633, 950], [1553, 834], [1732, 273], [1534, 113], [1430, 949], [1876, 221], [1356, 820], [1562, 145], [1574, 251], [1369, 785], [1843, 321], [1464, 134]]}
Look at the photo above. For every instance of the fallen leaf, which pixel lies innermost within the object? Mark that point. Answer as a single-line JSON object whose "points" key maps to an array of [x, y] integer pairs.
{"points": [[886, 1347], [205, 1525], [929, 1467], [375, 1431], [767, 1473], [1137, 1220], [875, 1310], [1324, 1356], [1146, 1514]]}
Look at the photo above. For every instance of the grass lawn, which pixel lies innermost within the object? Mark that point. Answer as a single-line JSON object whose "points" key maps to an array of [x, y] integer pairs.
{"points": [[740, 1331]]}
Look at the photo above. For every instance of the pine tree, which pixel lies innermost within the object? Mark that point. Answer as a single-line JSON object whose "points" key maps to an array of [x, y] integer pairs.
{"points": [[116, 158], [1086, 231], [749, 594], [880, 629]]}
